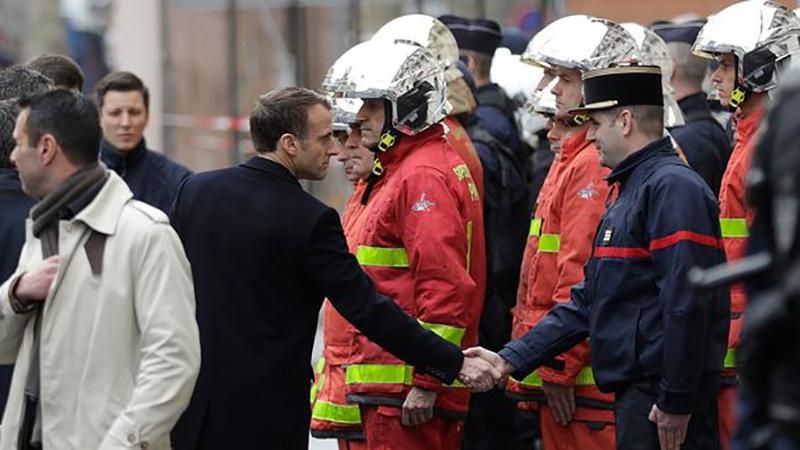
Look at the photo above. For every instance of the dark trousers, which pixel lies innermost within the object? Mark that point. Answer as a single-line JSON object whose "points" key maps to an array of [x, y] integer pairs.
{"points": [[635, 431], [495, 423]]}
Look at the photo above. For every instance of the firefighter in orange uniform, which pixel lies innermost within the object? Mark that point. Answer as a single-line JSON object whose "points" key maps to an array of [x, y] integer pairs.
{"points": [[747, 39], [422, 242], [332, 417], [574, 414]]}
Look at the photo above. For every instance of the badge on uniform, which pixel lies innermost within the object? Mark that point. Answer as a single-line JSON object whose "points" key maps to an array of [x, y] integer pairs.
{"points": [[607, 235], [422, 204]]}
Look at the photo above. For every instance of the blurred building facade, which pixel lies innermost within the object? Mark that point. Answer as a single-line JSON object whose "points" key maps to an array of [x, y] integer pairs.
{"points": [[206, 61]]}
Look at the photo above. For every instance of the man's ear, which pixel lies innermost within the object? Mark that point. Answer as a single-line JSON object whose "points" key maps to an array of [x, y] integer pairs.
{"points": [[288, 142], [47, 148], [626, 122]]}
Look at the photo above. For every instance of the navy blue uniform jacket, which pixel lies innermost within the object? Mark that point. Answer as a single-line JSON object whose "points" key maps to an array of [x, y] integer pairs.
{"points": [[152, 177], [264, 255], [635, 303]]}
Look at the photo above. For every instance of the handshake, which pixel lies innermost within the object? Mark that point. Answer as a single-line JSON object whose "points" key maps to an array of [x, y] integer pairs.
{"points": [[483, 369]]}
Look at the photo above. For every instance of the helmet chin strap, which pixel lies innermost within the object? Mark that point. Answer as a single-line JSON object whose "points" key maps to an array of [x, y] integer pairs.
{"points": [[387, 140], [739, 93], [389, 136]]}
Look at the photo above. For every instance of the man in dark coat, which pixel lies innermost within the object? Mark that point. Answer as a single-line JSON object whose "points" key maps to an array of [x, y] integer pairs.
{"points": [[124, 103], [702, 139], [655, 343], [264, 255]]}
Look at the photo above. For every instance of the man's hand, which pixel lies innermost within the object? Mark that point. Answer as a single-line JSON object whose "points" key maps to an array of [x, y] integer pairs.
{"points": [[418, 407], [671, 428], [561, 400], [483, 369], [34, 285]]}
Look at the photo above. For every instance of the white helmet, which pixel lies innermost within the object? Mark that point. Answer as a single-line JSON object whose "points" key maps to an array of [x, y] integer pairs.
{"points": [[763, 35], [518, 80], [583, 43], [407, 76], [428, 32], [343, 112], [543, 101], [653, 51]]}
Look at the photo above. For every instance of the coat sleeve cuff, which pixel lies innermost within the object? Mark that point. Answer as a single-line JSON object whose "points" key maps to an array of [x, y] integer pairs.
{"points": [[674, 402], [516, 354], [428, 383], [448, 365]]}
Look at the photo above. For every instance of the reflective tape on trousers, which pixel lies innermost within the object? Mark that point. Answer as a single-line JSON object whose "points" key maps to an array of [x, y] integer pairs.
{"points": [[331, 412], [382, 256], [585, 378], [734, 228]]}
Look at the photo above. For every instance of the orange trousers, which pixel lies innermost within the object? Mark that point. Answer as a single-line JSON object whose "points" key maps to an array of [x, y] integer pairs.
{"points": [[589, 429], [384, 430], [345, 444]]}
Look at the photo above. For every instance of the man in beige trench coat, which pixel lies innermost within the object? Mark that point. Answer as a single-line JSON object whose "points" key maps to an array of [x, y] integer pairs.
{"points": [[99, 317]]}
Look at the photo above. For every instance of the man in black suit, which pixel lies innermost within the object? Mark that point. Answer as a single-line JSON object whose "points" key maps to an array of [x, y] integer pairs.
{"points": [[264, 254]]}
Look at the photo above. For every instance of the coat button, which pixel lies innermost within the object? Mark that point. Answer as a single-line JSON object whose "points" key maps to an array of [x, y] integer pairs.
{"points": [[131, 438], [144, 444]]}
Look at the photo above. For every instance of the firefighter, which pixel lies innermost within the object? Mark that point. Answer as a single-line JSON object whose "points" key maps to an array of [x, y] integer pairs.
{"points": [[501, 184], [574, 414], [750, 41], [332, 417], [421, 243], [655, 344]]}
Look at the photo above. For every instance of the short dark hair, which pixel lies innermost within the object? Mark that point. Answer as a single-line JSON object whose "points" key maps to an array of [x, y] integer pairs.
{"points": [[8, 118], [279, 112], [649, 118], [72, 120], [121, 81], [483, 63], [18, 81], [63, 70]]}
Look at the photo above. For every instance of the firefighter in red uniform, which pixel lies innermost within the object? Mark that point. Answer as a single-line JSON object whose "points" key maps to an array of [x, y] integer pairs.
{"points": [[422, 242], [749, 40], [332, 417], [574, 414]]}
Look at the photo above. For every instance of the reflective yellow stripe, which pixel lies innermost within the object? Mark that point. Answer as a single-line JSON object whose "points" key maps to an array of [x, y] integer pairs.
{"points": [[536, 227], [549, 243], [379, 374], [382, 257], [532, 380], [384, 374], [331, 412], [315, 388], [730, 359], [449, 333], [319, 366], [585, 378], [734, 228], [469, 244]]}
